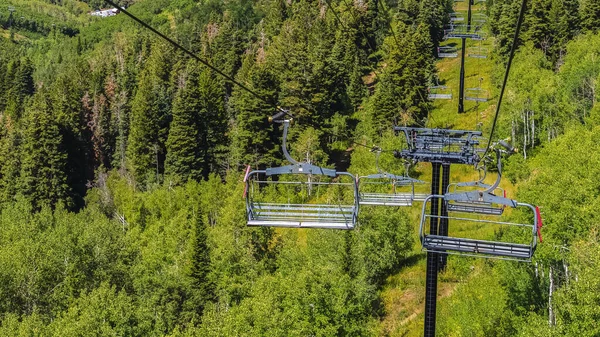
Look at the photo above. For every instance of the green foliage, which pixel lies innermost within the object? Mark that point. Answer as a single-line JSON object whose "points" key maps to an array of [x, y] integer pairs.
{"points": [[43, 179], [99, 117], [149, 116]]}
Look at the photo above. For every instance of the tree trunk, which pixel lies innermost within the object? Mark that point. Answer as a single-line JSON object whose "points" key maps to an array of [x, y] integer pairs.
{"points": [[551, 318], [525, 135]]}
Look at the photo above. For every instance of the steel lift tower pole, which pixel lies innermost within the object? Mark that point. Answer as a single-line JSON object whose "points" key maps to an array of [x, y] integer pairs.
{"points": [[443, 229], [11, 9], [432, 259], [469, 16], [461, 93], [441, 148]]}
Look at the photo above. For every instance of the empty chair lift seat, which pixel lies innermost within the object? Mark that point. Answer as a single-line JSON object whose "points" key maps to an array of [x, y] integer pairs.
{"points": [[439, 92], [447, 52], [401, 190], [308, 215], [476, 95], [305, 206], [520, 251]]}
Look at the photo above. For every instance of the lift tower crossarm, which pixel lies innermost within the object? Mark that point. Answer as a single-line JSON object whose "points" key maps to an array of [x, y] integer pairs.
{"points": [[440, 145]]}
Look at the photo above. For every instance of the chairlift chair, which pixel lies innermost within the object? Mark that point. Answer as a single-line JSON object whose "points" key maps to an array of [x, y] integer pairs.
{"points": [[479, 18], [473, 32], [447, 52], [472, 205], [457, 17], [301, 210], [477, 94], [439, 92], [387, 189], [522, 250], [478, 52]]}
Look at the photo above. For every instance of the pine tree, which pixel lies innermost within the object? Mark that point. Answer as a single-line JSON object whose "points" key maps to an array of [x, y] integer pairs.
{"points": [[183, 160], [590, 15], [22, 86], [203, 285], [149, 120], [213, 122], [539, 26], [65, 98], [401, 95], [253, 139], [43, 178]]}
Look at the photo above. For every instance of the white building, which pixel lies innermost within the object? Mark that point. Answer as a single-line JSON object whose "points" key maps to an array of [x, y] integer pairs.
{"points": [[105, 12]]}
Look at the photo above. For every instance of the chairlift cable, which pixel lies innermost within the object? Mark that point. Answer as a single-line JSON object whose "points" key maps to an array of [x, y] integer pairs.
{"points": [[281, 112], [508, 66], [194, 56], [361, 32]]}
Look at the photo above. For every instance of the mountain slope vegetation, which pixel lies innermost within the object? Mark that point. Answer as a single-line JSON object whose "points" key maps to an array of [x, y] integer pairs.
{"points": [[122, 159]]}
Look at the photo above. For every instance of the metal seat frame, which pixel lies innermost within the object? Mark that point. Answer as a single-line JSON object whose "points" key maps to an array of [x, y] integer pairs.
{"points": [[477, 95], [330, 216], [447, 52], [472, 32], [439, 92], [481, 248], [395, 198], [484, 203]]}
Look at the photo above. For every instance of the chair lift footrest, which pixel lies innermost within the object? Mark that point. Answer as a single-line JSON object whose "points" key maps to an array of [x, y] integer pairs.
{"points": [[475, 209], [383, 199], [302, 224], [444, 243]]}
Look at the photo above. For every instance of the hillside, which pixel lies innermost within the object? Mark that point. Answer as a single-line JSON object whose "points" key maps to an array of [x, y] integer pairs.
{"points": [[122, 161]]}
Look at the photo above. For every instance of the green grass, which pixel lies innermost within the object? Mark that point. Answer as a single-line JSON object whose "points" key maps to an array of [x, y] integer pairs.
{"points": [[445, 113]]}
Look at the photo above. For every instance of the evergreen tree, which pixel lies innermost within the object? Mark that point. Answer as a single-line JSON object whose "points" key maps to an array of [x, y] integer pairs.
{"points": [[66, 101], [183, 160], [149, 119], [43, 179], [202, 283], [213, 123], [253, 139], [401, 95], [539, 26], [22, 86], [590, 15]]}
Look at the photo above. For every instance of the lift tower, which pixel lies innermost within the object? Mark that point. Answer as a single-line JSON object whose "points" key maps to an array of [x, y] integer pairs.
{"points": [[441, 148], [464, 32]]}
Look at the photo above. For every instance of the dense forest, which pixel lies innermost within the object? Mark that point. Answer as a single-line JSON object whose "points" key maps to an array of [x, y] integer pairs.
{"points": [[122, 159]]}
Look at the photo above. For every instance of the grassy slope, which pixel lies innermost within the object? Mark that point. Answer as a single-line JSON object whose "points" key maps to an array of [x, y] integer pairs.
{"points": [[404, 293]]}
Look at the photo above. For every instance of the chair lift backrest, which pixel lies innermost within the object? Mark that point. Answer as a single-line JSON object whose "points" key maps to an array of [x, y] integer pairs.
{"points": [[474, 247], [479, 201], [387, 199], [482, 248], [301, 215]]}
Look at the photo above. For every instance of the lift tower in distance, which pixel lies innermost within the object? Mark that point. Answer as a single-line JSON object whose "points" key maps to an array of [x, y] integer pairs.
{"points": [[441, 148], [464, 32], [11, 9]]}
